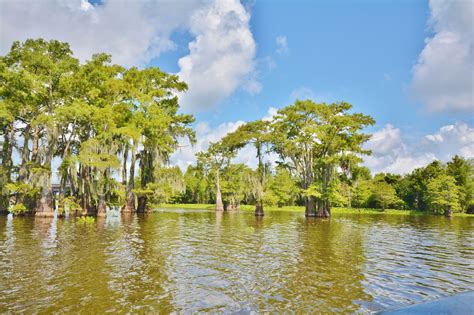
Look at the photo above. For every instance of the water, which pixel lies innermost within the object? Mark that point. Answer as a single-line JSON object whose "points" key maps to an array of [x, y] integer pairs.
{"points": [[200, 261]]}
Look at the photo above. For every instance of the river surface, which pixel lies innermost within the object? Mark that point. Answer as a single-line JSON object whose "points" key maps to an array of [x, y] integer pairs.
{"points": [[200, 261]]}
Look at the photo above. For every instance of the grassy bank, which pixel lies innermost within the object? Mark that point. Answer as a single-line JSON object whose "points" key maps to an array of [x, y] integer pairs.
{"points": [[301, 209]]}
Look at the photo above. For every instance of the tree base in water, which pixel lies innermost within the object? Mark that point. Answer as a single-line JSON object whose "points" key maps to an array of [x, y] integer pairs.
{"points": [[45, 214], [322, 213], [259, 211]]}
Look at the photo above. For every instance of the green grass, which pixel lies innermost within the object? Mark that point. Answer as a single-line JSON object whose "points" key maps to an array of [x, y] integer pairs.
{"points": [[335, 210]]}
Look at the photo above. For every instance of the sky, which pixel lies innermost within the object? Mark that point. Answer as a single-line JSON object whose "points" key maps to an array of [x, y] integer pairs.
{"points": [[407, 63]]}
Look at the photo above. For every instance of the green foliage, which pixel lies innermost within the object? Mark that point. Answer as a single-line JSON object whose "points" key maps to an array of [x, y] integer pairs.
{"points": [[103, 121], [18, 208], [93, 116], [87, 220], [443, 194], [383, 195], [283, 188], [69, 205]]}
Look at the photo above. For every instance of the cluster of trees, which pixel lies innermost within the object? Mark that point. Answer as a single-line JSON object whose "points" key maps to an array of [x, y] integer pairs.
{"points": [[100, 120], [314, 143], [111, 130]]}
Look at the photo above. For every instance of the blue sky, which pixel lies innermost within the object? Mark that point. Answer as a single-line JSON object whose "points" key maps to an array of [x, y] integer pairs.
{"points": [[362, 52], [406, 63]]}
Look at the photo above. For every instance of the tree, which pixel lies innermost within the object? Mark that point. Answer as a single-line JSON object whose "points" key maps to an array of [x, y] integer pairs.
{"points": [[256, 133], [443, 194], [97, 117], [214, 160], [311, 139], [383, 195], [283, 187], [463, 173]]}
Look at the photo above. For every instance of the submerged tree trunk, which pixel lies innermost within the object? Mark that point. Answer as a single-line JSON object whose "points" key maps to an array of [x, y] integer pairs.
{"points": [[259, 209], [143, 205], [259, 204], [219, 204], [324, 211], [102, 206], [310, 206], [44, 206]]}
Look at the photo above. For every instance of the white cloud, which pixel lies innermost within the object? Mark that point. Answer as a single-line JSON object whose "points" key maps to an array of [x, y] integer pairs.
{"points": [[451, 140], [282, 44], [134, 32], [272, 111], [391, 154], [443, 75], [221, 57]]}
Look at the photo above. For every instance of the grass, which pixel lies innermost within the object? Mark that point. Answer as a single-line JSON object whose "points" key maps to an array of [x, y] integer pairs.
{"points": [[301, 209]]}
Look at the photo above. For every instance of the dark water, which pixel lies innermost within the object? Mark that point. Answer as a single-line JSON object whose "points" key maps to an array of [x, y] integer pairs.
{"points": [[207, 262]]}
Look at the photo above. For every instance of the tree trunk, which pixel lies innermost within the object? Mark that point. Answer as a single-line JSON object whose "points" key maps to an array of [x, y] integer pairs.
{"points": [[102, 206], [124, 167], [323, 210], [259, 209], [45, 204], [130, 196], [219, 204], [85, 191], [143, 205], [34, 149], [44, 207], [7, 163], [25, 156], [310, 205]]}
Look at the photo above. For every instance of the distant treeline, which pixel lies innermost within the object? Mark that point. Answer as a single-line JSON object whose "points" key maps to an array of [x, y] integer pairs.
{"points": [[435, 188]]}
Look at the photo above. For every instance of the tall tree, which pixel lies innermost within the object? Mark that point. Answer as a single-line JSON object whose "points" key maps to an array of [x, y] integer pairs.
{"points": [[256, 133], [311, 139], [214, 160]]}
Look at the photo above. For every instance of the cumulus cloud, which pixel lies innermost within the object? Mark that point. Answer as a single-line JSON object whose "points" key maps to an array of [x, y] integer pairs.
{"points": [[443, 75], [450, 140], [391, 154], [221, 55], [134, 32], [282, 44]]}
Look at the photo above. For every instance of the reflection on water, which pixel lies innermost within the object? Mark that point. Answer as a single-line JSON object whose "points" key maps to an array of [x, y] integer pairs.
{"points": [[232, 262]]}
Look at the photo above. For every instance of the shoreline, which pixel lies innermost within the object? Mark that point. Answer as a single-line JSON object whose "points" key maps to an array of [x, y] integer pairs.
{"points": [[335, 210]]}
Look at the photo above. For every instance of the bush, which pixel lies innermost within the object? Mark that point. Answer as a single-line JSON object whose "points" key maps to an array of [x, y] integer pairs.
{"points": [[85, 220], [18, 209]]}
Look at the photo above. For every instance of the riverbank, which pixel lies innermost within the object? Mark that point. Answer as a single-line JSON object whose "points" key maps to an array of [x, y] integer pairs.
{"points": [[334, 210]]}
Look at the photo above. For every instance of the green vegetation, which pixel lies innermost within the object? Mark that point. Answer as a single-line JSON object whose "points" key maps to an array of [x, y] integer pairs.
{"points": [[100, 119], [429, 190], [301, 209], [113, 130]]}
